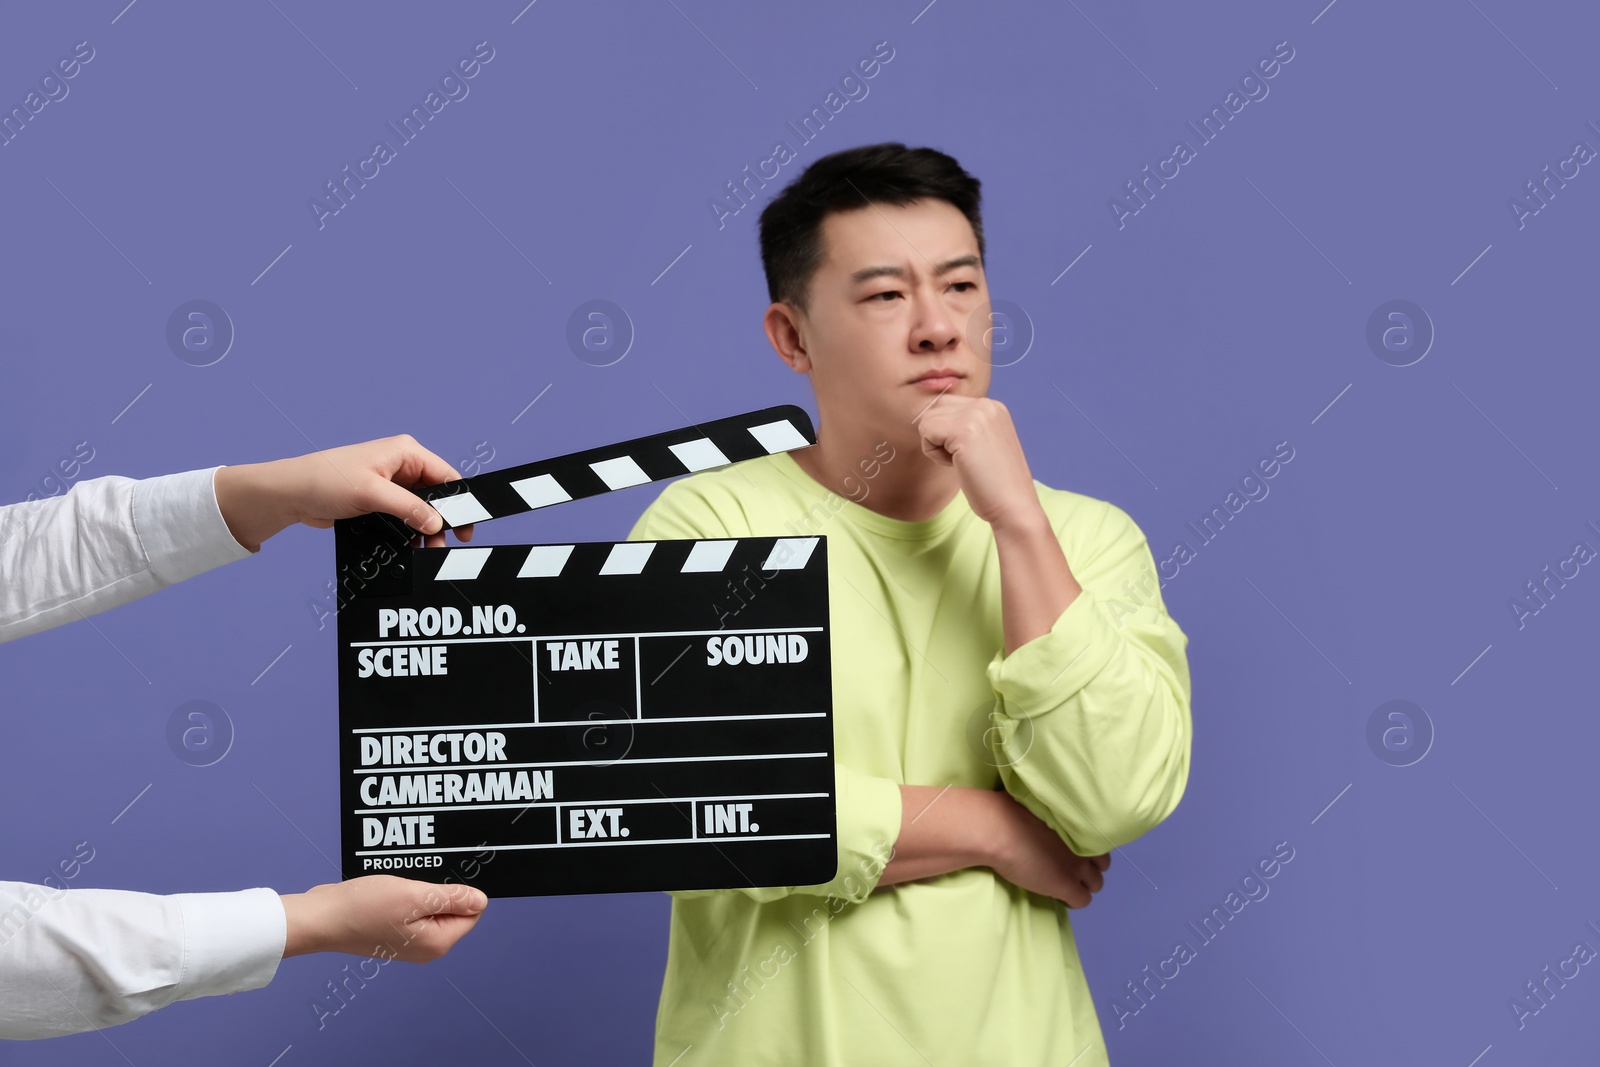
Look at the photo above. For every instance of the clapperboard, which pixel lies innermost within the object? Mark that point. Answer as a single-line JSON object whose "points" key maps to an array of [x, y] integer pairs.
{"points": [[594, 717]]}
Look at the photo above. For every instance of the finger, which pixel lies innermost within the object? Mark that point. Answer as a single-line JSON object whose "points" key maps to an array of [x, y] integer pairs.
{"points": [[937, 436], [1102, 861], [454, 899], [418, 466], [453, 928], [414, 467], [380, 494], [464, 533], [435, 936], [935, 450]]}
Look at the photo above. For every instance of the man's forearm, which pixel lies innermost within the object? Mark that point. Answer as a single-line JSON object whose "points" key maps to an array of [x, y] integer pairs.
{"points": [[952, 828], [944, 829], [1036, 585]]}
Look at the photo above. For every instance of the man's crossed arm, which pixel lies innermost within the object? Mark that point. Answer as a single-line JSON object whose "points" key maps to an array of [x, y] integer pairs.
{"points": [[955, 827]]}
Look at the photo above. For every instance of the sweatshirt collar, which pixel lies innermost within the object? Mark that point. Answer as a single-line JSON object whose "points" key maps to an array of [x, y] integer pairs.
{"points": [[858, 515]]}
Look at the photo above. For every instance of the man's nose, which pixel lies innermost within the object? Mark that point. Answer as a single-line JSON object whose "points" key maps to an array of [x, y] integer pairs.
{"points": [[935, 329]]}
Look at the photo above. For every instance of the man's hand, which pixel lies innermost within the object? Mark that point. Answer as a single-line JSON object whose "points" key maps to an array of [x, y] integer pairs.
{"points": [[383, 916], [976, 436], [259, 499], [1031, 855]]}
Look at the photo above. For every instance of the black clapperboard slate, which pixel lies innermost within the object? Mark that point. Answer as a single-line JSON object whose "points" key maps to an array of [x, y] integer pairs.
{"points": [[597, 717]]}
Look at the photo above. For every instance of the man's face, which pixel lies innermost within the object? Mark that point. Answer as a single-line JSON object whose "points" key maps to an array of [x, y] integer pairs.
{"points": [[900, 294]]}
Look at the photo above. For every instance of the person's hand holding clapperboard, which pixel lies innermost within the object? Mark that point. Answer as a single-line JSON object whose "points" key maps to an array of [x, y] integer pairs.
{"points": [[81, 959]]}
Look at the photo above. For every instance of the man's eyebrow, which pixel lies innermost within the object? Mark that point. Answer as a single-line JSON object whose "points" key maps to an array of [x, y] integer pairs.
{"points": [[866, 274]]}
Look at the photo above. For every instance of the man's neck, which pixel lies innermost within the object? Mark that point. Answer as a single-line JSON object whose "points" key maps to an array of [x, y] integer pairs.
{"points": [[910, 487]]}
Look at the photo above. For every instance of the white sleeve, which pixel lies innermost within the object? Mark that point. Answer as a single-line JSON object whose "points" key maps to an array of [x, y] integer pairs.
{"points": [[81, 959], [108, 541]]}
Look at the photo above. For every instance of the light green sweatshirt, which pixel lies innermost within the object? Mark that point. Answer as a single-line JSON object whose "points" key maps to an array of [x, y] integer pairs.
{"points": [[1088, 725]]}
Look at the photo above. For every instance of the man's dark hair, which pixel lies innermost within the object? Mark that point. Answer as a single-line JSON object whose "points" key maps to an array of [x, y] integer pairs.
{"points": [[890, 173]]}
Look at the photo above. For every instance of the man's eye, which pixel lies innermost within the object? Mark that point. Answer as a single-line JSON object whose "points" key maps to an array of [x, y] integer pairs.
{"points": [[969, 285], [887, 292]]}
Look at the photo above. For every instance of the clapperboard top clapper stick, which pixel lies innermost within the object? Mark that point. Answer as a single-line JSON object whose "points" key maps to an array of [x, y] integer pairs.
{"points": [[612, 467], [577, 718], [543, 483]]}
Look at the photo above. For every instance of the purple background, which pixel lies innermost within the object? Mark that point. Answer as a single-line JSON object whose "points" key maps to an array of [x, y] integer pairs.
{"points": [[1190, 341]]}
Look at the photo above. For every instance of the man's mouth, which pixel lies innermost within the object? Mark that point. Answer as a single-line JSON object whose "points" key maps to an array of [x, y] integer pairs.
{"points": [[937, 380]]}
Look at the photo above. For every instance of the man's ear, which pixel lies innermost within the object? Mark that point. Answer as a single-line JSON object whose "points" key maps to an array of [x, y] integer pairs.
{"points": [[784, 326]]}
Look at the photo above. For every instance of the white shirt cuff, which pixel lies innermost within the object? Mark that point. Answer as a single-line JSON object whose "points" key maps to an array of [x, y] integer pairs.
{"points": [[181, 527], [231, 941]]}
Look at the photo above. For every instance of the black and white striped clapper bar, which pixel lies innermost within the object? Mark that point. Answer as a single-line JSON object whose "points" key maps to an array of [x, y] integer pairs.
{"points": [[591, 717]]}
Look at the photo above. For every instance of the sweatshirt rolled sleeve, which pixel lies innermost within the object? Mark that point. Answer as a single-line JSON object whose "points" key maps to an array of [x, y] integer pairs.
{"points": [[868, 814], [1097, 710]]}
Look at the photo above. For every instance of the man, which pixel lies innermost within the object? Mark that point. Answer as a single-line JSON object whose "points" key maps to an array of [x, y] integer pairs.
{"points": [[80, 959], [1004, 716]]}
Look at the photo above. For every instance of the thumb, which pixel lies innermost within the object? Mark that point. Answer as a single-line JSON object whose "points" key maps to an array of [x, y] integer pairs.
{"points": [[455, 899]]}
